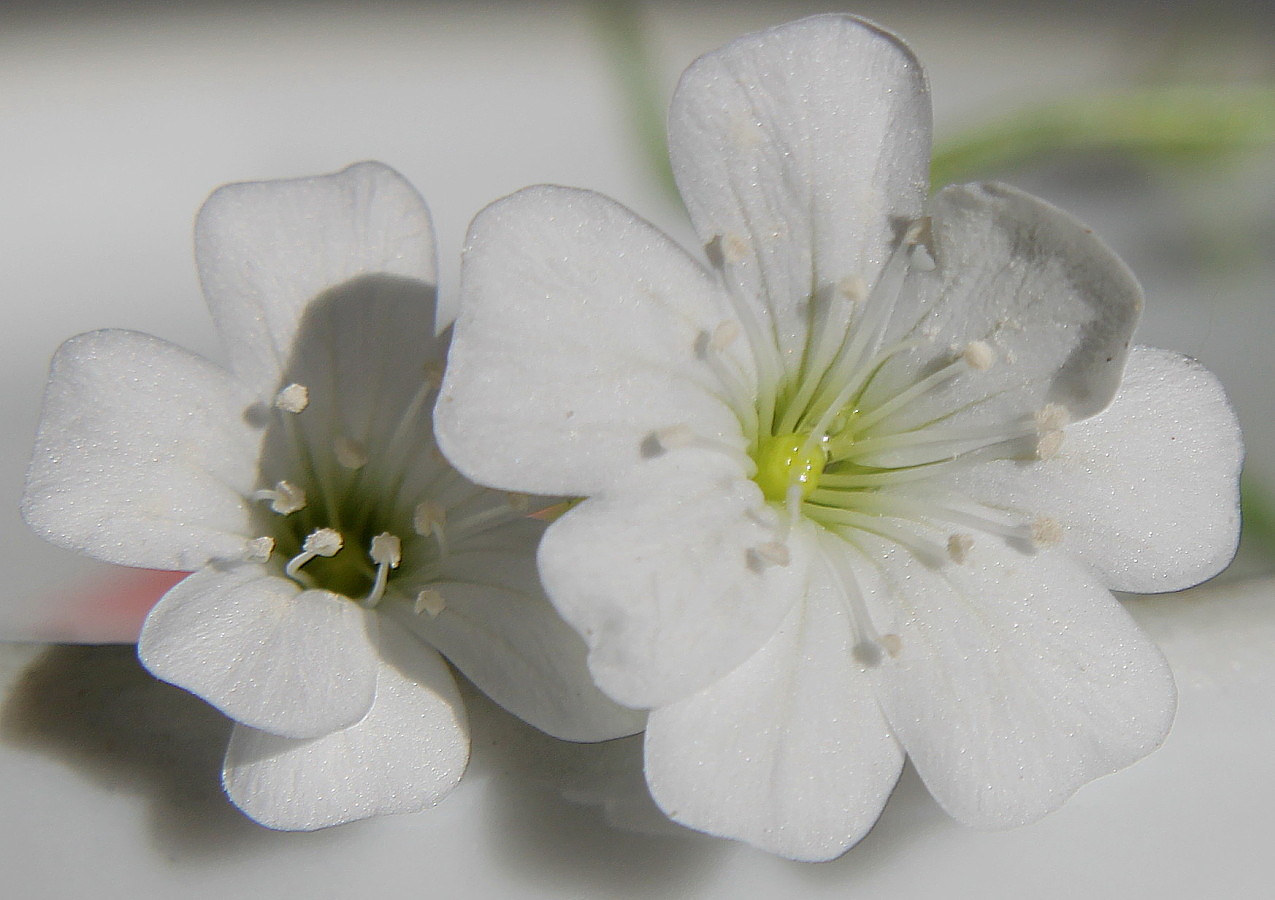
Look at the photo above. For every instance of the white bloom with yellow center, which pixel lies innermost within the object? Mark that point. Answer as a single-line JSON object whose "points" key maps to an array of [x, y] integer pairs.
{"points": [[335, 553], [858, 487]]}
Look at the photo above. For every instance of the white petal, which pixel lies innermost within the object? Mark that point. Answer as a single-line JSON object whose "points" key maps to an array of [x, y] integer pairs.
{"points": [[406, 754], [143, 455], [370, 362], [1017, 679], [1049, 307], [1147, 492], [789, 752], [667, 576], [799, 150], [296, 663], [266, 249], [576, 339], [499, 629]]}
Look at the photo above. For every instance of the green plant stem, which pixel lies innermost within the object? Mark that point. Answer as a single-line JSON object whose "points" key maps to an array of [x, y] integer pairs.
{"points": [[1175, 124], [623, 36]]}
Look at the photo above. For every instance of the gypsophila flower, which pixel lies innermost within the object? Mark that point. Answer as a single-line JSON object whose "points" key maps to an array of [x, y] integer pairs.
{"points": [[336, 554], [858, 488]]}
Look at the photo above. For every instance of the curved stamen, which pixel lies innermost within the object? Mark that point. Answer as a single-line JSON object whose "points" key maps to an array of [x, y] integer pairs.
{"points": [[387, 552], [320, 542]]}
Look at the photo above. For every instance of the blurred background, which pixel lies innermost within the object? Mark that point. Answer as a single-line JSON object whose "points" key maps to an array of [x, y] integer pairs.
{"points": [[1152, 121]]}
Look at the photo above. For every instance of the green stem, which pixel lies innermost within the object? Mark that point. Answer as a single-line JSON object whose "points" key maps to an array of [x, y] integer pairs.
{"points": [[1258, 513], [1168, 124], [623, 34]]}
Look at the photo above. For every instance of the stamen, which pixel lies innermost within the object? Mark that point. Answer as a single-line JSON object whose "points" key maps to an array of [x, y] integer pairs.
{"points": [[428, 518], [1051, 417], [285, 499], [320, 542], [920, 389], [928, 552], [845, 372], [677, 437], [1049, 444], [293, 398], [739, 396], [771, 553], [519, 503], [1050, 421], [867, 650], [350, 453], [259, 549], [921, 235], [724, 335], [429, 601], [387, 552], [853, 288], [1046, 532], [979, 355], [735, 248], [959, 547]]}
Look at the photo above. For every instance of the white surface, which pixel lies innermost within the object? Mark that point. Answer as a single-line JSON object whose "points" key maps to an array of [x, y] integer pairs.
{"points": [[109, 785], [114, 132]]}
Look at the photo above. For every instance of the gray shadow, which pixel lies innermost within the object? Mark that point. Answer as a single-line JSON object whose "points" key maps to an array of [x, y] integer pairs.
{"points": [[97, 710], [577, 818]]}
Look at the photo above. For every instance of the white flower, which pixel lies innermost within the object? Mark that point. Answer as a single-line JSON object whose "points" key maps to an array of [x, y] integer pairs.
{"points": [[859, 487], [332, 544]]}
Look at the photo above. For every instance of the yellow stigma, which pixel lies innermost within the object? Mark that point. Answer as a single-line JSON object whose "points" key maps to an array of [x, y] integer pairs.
{"points": [[784, 460]]}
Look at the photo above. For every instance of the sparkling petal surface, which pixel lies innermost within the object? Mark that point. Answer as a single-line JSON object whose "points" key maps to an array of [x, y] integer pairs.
{"points": [[1018, 678], [265, 250], [576, 340], [1148, 491], [798, 149], [267, 654], [665, 576], [498, 628], [790, 751], [405, 755], [143, 456], [1049, 304]]}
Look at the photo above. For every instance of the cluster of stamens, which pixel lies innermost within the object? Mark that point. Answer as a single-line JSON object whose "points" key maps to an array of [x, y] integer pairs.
{"points": [[820, 453], [314, 518]]}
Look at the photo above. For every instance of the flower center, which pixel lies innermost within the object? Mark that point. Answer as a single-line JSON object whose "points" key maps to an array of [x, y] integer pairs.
{"points": [[788, 460], [367, 520]]}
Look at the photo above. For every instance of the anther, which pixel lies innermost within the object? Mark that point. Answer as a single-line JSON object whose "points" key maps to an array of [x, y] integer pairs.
{"points": [[725, 334], [735, 248], [387, 552], [920, 238], [285, 499], [429, 601], [259, 549], [428, 518], [892, 644], [853, 288], [771, 553], [320, 542], [978, 355], [519, 503], [350, 453], [1051, 417], [1046, 532], [1048, 444], [293, 398], [959, 546]]}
